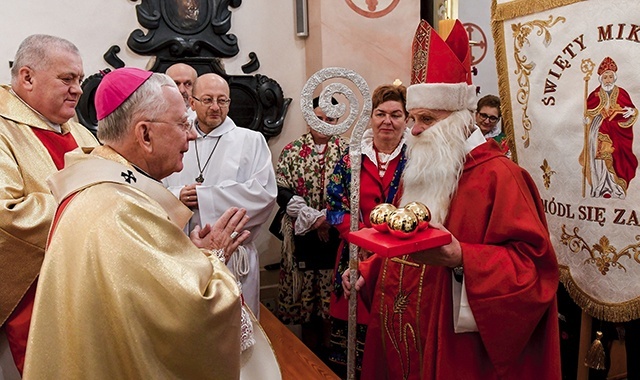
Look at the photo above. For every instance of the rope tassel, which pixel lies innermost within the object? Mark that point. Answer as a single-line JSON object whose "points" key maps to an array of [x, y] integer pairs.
{"points": [[595, 355]]}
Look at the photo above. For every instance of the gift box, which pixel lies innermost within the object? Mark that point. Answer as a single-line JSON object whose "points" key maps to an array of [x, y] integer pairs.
{"points": [[387, 245]]}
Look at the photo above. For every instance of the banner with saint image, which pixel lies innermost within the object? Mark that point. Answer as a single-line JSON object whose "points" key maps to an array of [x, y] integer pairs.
{"points": [[570, 87]]}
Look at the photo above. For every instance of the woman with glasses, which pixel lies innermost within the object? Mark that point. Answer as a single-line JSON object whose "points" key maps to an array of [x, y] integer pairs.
{"points": [[487, 117]]}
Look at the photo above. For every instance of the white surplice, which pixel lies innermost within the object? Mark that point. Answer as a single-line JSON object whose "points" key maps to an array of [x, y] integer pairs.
{"points": [[240, 174]]}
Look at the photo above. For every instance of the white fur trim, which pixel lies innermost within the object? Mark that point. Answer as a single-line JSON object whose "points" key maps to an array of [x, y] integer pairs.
{"points": [[442, 96]]}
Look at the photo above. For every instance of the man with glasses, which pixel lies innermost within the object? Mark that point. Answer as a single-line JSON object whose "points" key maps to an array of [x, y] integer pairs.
{"points": [[226, 166], [36, 131]]}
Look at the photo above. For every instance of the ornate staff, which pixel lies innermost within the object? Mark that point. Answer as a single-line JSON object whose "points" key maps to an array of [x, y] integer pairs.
{"points": [[355, 154], [586, 66]]}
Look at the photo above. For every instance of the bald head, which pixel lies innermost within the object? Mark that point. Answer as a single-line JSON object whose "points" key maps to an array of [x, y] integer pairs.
{"points": [[210, 101], [211, 80], [184, 76]]}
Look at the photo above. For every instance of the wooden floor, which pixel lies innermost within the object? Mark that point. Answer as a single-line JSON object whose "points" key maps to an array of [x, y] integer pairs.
{"points": [[295, 359]]}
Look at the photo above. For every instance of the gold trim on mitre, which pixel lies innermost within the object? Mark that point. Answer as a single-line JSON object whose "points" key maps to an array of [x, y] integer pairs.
{"points": [[607, 64], [441, 70]]}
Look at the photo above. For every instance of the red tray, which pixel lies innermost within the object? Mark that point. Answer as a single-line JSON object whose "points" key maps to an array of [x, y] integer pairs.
{"points": [[387, 245]]}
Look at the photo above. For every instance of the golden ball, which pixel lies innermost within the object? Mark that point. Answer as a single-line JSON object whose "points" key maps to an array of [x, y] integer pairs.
{"points": [[403, 223], [422, 212], [379, 216]]}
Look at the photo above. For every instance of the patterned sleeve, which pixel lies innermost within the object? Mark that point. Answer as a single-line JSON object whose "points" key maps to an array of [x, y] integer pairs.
{"points": [[338, 194], [283, 168]]}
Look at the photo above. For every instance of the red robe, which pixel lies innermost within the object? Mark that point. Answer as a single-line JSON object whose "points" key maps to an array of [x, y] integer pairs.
{"points": [[511, 277], [373, 191], [617, 128]]}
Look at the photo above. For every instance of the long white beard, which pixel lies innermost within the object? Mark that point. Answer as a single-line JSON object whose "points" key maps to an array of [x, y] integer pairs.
{"points": [[435, 163]]}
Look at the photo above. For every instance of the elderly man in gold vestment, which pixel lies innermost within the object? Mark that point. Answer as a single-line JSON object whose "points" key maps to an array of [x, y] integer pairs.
{"points": [[124, 293], [36, 130]]}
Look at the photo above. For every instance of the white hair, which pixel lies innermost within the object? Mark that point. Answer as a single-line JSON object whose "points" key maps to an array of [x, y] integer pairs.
{"points": [[435, 162]]}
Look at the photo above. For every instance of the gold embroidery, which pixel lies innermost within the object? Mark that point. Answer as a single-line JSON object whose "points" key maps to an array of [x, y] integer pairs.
{"points": [[521, 34], [603, 255], [400, 303], [407, 348], [546, 173], [383, 314], [418, 309], [404, 337], [405, 262], [519, 8]]}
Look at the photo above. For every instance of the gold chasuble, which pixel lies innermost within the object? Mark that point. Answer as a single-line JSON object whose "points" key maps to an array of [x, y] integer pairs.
{"points": [[123, 293], [25, 199]]}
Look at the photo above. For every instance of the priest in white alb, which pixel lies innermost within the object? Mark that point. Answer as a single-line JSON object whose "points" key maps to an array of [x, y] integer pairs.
{"points": [[226, 166]]}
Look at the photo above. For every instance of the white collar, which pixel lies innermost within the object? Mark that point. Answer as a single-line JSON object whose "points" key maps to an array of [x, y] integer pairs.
{"points": [[370, 152], [495, 131], [226, 126], [474, 140]]}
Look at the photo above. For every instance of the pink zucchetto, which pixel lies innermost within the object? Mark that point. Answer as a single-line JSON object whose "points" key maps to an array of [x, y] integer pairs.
{"points": [[116, 87]]}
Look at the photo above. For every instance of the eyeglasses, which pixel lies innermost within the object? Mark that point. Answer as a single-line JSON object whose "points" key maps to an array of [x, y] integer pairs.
{"points": [[184, 126], [208, 101], [491, 118]]}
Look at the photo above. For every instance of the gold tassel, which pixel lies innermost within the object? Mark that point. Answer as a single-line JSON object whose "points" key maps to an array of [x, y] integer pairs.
{"points": [[619, 312], [595, 355]]}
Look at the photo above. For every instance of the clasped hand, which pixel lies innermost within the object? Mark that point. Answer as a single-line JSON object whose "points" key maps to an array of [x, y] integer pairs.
{"points": [[220, 235], [322, 228]]}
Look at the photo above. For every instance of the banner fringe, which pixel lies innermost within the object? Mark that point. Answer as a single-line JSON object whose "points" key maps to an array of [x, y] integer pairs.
{"points": [[497, 30], [519, 8], [619, 312], [610, 312]]}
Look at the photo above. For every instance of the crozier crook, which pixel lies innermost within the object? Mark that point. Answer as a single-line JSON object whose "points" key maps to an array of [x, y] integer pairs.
{"points": [[360, 122]]}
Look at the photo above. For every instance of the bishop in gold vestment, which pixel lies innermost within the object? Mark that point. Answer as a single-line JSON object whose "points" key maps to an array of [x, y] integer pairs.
{"points": [[123, 292], [116, 260]]}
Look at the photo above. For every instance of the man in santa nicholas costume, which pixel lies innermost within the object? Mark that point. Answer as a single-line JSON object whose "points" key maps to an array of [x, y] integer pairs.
{"points": [[483, 306]]}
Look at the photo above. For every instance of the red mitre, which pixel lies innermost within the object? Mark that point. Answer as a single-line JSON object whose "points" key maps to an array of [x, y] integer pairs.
{"points": [[607, 65], [441, 70]]}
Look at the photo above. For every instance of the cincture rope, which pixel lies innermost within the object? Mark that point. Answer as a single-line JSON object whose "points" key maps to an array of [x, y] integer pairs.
{"points": [[241, 262]]}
